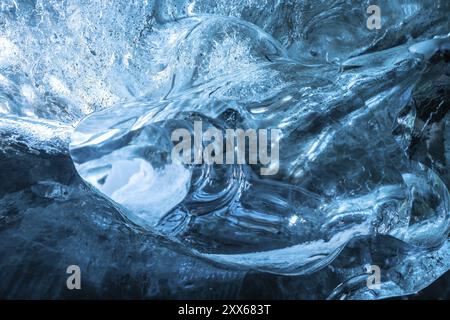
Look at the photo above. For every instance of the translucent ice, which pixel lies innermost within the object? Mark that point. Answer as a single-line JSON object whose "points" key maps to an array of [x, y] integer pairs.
{"points": [[342, 173], [364, 148]]}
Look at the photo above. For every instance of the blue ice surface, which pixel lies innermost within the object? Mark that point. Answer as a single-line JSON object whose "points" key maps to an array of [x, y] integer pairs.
{"points": [[90, 94]]}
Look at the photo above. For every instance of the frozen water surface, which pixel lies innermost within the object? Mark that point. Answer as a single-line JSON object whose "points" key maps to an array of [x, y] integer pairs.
{"points": [[90, 93]]}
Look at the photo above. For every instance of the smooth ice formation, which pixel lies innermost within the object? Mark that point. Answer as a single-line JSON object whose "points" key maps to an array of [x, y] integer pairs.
{"points": [[342, 173], [96, 90]]}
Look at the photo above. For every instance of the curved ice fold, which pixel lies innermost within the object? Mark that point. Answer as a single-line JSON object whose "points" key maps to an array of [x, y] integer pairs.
{"points": [[342, 173]]}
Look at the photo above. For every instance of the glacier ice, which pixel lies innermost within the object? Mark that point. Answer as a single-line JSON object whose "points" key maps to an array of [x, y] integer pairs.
{"points": [[340, 184], [364, 149]]}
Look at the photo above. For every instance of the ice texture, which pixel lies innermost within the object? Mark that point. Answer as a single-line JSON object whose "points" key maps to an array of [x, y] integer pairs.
{"points": [[91, 91]]}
